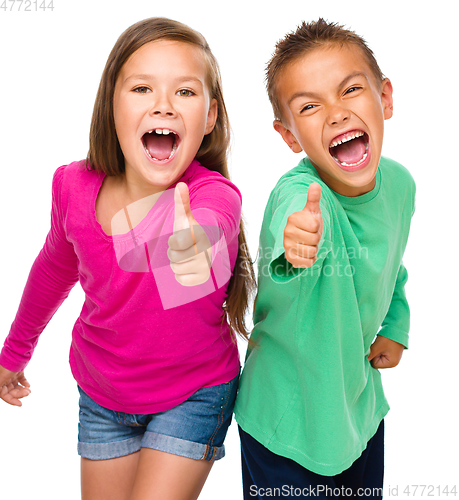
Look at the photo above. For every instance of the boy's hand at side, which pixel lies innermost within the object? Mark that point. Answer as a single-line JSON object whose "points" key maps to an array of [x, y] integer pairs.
{"points": [[189, 247], [13, 386], [385, 353], [303, 231]]}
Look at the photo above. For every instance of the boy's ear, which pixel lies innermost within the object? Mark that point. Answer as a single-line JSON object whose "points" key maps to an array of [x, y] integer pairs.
{"points": [[288, 137], [387, 99]]}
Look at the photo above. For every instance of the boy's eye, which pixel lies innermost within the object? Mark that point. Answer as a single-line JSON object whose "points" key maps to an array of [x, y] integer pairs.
{"points": [[352, 89], [307, 107], [185, 93], [141, 90]]}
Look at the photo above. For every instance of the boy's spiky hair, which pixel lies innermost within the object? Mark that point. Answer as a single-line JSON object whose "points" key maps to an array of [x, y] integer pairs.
{"points": [[306, 37]]}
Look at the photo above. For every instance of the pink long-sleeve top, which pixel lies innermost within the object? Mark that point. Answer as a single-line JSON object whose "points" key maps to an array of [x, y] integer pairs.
{"points": [[143, 343]]}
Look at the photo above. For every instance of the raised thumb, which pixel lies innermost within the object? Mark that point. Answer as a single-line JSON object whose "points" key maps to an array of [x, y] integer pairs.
{"points": [[313, 201], [183, 215]]}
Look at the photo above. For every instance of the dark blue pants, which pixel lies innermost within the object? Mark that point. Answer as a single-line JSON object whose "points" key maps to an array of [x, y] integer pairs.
{"points": [[267, 475]]}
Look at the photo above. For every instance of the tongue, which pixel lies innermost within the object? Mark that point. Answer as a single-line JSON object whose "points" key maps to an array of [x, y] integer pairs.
{"points": [[159, 146], [351, 151]]}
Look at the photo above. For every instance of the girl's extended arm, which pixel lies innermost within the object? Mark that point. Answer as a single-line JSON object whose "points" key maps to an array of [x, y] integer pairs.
{"points": [[51, 278]]}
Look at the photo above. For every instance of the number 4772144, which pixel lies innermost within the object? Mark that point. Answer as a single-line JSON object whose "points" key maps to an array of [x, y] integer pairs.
{"points": [[429, 490], [26, 5]]}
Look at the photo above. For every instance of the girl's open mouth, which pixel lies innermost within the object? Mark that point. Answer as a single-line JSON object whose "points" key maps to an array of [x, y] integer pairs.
{"points": [[160, 144], [351, 150]]}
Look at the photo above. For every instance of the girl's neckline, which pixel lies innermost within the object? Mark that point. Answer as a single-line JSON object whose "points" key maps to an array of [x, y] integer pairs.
{"points": [[139, 227]]}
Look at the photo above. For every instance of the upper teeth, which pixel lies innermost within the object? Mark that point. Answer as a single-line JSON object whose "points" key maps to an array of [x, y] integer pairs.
{"points": [[160, 131], [346, 138]]}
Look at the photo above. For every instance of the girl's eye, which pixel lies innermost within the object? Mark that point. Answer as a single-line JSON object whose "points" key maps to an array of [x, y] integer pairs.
{"points": [[141, 90], [185, 93]]}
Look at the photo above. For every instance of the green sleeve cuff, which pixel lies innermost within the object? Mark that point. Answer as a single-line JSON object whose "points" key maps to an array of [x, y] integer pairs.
{"points": [[280, 269], [395, 334]]}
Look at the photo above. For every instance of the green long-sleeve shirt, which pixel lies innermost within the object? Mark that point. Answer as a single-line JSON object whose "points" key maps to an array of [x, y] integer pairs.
{"points": [[308, 391]]}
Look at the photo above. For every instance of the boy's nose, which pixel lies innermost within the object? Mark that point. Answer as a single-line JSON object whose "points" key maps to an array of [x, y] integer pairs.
{"points": [[338, 115]]}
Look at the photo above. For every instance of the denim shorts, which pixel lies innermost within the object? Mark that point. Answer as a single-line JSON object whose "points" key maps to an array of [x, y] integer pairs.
{"points": [[194, 429]]}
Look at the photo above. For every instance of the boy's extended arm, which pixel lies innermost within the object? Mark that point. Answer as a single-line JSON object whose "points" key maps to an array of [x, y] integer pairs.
{"points": [[300, 231]]}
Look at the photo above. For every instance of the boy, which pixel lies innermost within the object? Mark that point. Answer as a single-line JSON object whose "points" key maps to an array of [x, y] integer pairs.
{"points": [[331, 308]]}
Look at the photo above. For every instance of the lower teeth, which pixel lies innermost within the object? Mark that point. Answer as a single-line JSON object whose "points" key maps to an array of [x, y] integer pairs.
{"points": [[353, 164], [174, 149]]}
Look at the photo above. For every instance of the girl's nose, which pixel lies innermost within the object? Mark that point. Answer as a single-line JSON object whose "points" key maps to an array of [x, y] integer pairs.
{"points": [[338, 115], [162, 107]]}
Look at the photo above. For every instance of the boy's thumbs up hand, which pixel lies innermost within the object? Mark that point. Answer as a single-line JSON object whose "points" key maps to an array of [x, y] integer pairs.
{"points": [[303, 231], [189, 247], [313, 200]]}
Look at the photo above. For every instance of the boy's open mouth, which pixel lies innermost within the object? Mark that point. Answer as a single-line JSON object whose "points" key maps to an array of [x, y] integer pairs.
{"points": [[160, 144], [350, 150]]}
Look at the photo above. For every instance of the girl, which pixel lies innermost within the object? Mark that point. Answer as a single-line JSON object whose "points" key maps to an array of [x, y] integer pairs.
{"points": [[153, 349]]}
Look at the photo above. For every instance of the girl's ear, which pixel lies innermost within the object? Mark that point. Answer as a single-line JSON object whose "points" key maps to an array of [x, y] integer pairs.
{"points": [[211, 116], [288, 137], [387, 100]]}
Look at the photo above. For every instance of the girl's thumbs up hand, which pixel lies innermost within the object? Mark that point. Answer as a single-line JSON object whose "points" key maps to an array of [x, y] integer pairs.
{"points": [[303, 231], [189, 248], [183, 217]]}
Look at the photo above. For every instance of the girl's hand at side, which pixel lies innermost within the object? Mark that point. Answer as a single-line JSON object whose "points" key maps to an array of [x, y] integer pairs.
{"points": [[13, 386], [189, 248]]}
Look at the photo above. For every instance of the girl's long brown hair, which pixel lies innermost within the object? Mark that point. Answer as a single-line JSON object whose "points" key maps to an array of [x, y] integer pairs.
{"points": [[105, 152]]}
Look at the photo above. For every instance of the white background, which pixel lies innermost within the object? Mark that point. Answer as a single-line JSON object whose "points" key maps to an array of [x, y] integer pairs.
{"points": [[51, 63]]}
